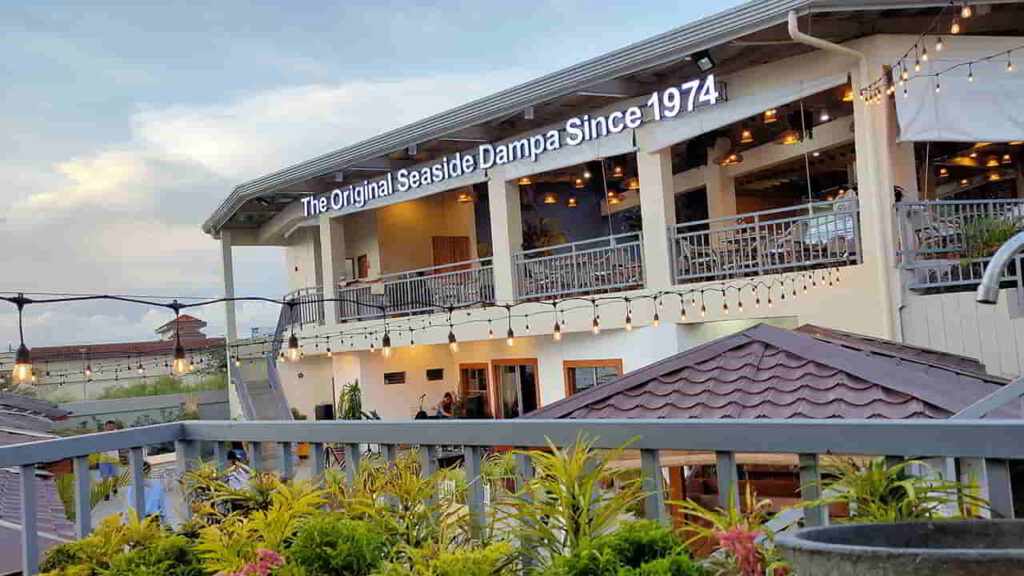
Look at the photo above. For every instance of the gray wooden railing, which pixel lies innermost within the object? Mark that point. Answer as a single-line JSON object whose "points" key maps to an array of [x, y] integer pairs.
{"points": [[309, 306], [584, 267], [991, 442]]}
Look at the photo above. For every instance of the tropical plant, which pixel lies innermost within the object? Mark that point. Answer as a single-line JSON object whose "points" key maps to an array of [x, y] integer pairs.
{"points": [[541, 233], [330, 545], [563, 507], [634, 549], [98, 490], [879, 492], [735, 532], [350, 402], [984, 235], [492, 560], [115, 535]]}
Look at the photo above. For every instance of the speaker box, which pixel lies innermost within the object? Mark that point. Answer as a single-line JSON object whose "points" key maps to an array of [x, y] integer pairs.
{"points": [[324, 412]]}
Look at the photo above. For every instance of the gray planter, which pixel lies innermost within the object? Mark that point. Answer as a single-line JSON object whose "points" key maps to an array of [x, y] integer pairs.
{"points": [[953, 548]]}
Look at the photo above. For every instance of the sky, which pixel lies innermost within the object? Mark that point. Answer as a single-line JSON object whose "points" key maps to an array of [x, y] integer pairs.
{"points": [[126, 123]]}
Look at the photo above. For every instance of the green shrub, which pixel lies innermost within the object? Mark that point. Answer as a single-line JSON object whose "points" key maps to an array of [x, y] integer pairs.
{"points": [[331, 546], [493, 560], [636, 543], [171, 556], [60, 557], [678, 565], [585, 561]]}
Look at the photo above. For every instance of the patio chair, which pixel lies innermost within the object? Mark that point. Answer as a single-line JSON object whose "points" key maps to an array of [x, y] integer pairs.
{"points": [[693, 261], [784, 249]]}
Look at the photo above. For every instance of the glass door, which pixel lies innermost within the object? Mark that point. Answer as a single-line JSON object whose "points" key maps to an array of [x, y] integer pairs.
{"points": [[517, 388]]}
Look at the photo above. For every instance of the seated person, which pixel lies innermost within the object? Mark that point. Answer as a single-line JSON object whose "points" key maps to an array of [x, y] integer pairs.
{"points": [[237, 474], [446, 409]]}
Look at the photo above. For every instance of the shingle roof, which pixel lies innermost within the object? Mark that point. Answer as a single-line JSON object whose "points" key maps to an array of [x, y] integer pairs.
{"points": [[114, 350], [768, 372], [24, 413], [52, 525]]}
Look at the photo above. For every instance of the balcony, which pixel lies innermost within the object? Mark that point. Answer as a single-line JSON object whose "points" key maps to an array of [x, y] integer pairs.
{"points": [[587, 267], [804, 237], [422, 291], [945, 245], [989, 444]]}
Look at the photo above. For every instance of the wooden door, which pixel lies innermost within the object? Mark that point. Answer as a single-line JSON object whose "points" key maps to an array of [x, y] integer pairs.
{"points": [[449, 250]]}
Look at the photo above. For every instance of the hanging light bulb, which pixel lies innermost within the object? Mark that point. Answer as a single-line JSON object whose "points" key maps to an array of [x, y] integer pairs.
{"points": [[238, 362], [757, 301], [385, 345], [924, 53], [88, 368], [905, 75], [703, 309], [527, 327], [739, 306], [938, 44], [725, 305], [917, 64], [954, 28], [656, 321], [1009, 63], [595, 326], [293, 348], [682, 311], [966, 11], [629, 321], [22, 364], [938, 87], [373, 349], [970, 73], [331, 354], [490, 330], [557, 333], [179, 365], [510, 337]]}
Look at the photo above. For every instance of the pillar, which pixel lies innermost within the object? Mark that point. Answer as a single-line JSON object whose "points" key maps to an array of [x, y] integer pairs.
{"points": [[332, 261], [231, 326], [721, 190], [658, 214], [506, 233]]}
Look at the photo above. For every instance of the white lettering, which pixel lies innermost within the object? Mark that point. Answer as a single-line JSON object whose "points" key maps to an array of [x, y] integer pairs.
{"points": [[486, 152], [634, 117], [336, 199], [403, 180], [573, 134], [615, 123]]}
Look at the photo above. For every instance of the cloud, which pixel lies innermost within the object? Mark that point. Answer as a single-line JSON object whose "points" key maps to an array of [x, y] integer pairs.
{"points": [[124, 218]]}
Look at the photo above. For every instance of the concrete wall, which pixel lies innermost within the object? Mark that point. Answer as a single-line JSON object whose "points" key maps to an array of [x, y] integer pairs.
{"points": [[404, 230], [301, 258], [361, 238], [312, 388]]}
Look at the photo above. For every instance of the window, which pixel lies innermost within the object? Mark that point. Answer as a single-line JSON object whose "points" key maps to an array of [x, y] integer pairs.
{"points": [[473, 387], [363, 263], [394, 377], [434, 374], [582, 375]]}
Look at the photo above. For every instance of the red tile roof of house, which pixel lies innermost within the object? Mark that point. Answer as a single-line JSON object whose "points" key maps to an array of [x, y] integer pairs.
{"points": [[121, 349], [768, 372]]}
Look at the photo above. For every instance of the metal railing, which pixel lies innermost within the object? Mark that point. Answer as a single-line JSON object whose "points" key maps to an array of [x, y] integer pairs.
{"points": [[816, 235], [989, 444], [947, 243], [309, 308], [589, 266], [422, 291]]}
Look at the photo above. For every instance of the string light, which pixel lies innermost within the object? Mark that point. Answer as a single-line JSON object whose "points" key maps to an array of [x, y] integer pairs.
{"points": [[656, 321], [453, 344], [966, 11], [682, 310], [557, 331], [510, 337], [490, 329], [924, 53], [970, 73], [954, 28], [595, 326], [293, 347], [1009, 63], [629, 319], [385, 345], [938, 44], [23, 357]]}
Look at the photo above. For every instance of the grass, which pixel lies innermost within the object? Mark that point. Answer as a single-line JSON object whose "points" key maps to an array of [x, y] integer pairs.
{"points": [[165, 385]]}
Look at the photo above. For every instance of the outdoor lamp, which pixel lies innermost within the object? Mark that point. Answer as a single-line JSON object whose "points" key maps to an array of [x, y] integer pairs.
{"points": [[178, 365], [385, 344], [557, 333], [452, 342], [22, 364], [88, 370], [510, 337], [293, 348], [703, 60]]}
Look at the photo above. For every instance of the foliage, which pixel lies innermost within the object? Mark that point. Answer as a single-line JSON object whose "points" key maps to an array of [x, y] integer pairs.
{"points": [[734, 531], [350, 402], [98, 490], [115, 536], [636, 543], [984, 235], [492, 560], [634, 549], [542, 233], [878, 492], [562, 508], [329, 545], [165, 385]]}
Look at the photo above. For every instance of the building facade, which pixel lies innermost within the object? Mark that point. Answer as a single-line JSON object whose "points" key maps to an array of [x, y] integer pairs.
{"points": [[733, 171]]}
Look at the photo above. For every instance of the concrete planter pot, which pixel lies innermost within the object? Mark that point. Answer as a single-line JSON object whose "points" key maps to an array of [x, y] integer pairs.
{"points": [[954, 548]]}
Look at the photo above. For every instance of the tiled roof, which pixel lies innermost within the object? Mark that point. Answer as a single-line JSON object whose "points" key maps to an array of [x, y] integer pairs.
{"points": [[51, 521], [95, 351], [24, 413], [767, 372]]}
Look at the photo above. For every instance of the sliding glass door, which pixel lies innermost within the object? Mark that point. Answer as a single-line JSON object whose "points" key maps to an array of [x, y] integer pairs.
{"points": [[517, 387]]}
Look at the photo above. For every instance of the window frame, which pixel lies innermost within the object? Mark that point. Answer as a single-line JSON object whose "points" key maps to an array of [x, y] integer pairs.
{"points": [[569, 365]]}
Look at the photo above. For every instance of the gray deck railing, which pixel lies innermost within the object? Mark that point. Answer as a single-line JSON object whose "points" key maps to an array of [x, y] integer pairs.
{"points": [[421, 291], [601, 264], [820, 234], [947, 243], [989, 443], [309, 308]]}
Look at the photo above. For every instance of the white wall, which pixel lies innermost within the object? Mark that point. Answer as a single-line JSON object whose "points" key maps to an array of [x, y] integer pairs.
{"points": [[361, 238], [300, 257], [404, 230], [314, 387]]}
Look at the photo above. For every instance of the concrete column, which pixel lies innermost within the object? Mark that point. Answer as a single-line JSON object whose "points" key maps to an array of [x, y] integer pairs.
{"points": [[875, 151], [231, 325], [658, 213], [721, 191], [506, 232], [332, 261]]}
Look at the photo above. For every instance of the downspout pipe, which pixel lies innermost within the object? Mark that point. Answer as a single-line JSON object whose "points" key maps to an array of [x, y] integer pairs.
{"points": [[988, 290], [874, 171]]}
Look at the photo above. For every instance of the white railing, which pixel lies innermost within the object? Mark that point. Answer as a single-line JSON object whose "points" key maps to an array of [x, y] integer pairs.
{"points": [[947, 244], [421, 291], [820, 234], [598, 265], [309, 306]]}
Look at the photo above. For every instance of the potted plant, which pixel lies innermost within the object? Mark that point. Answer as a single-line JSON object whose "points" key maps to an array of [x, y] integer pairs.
{"points": [[303, 446]]}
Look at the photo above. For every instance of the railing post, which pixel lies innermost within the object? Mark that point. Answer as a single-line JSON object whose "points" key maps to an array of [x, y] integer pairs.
{"points": [[256, 457], [352, 463], [318, 461], [220, 455], [525, 465], [428, 460], [1000, 494], [83, 503], [29, 527], [728, 479], [287, 465], [476, 490], [654, 501], [185, 458], [390, 452], [135, 463], [810, 489]]}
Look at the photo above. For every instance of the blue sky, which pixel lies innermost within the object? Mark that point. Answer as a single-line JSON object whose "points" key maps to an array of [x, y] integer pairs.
{"points": [[127, 122]]}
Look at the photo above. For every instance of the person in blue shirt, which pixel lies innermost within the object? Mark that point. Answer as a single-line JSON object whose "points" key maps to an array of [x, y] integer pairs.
{"points": [[154, 495]]}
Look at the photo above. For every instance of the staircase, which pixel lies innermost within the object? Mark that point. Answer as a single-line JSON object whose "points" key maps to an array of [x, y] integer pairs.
{"points": [[258, 385]]}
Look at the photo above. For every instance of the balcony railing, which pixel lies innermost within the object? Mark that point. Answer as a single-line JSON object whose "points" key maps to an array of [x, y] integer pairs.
{"points": [[821, 234], [422, 291], [598, 265], [309, 308], [947, 244], [989, 444]]}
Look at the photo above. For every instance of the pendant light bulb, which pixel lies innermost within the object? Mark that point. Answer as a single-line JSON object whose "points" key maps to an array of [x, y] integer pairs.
{"points": [[88, 367], [453, 344], [385, 344], [329, 353], [179, 365], [966, 11], [703, 310], [938, 44], [595, 326], [629, 322], [656, 321], [682, 312], [557, 333], [293, 348], [510, 337], [22, 364]]}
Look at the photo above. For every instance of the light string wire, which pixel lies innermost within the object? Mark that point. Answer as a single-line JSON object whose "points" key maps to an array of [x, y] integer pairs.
{"points": [[387, 323]]}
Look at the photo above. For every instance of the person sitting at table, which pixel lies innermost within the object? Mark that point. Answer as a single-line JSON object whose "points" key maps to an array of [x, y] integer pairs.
{"points": [[446, 409], [237, 474], [154, 496]]}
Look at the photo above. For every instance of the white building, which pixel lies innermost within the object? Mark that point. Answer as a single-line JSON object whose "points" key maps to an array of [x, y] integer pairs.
{"points": [[734, 165]]}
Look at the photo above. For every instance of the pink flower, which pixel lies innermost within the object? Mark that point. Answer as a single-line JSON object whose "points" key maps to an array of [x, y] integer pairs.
{"points": [[269, 557], [740, 541]]}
